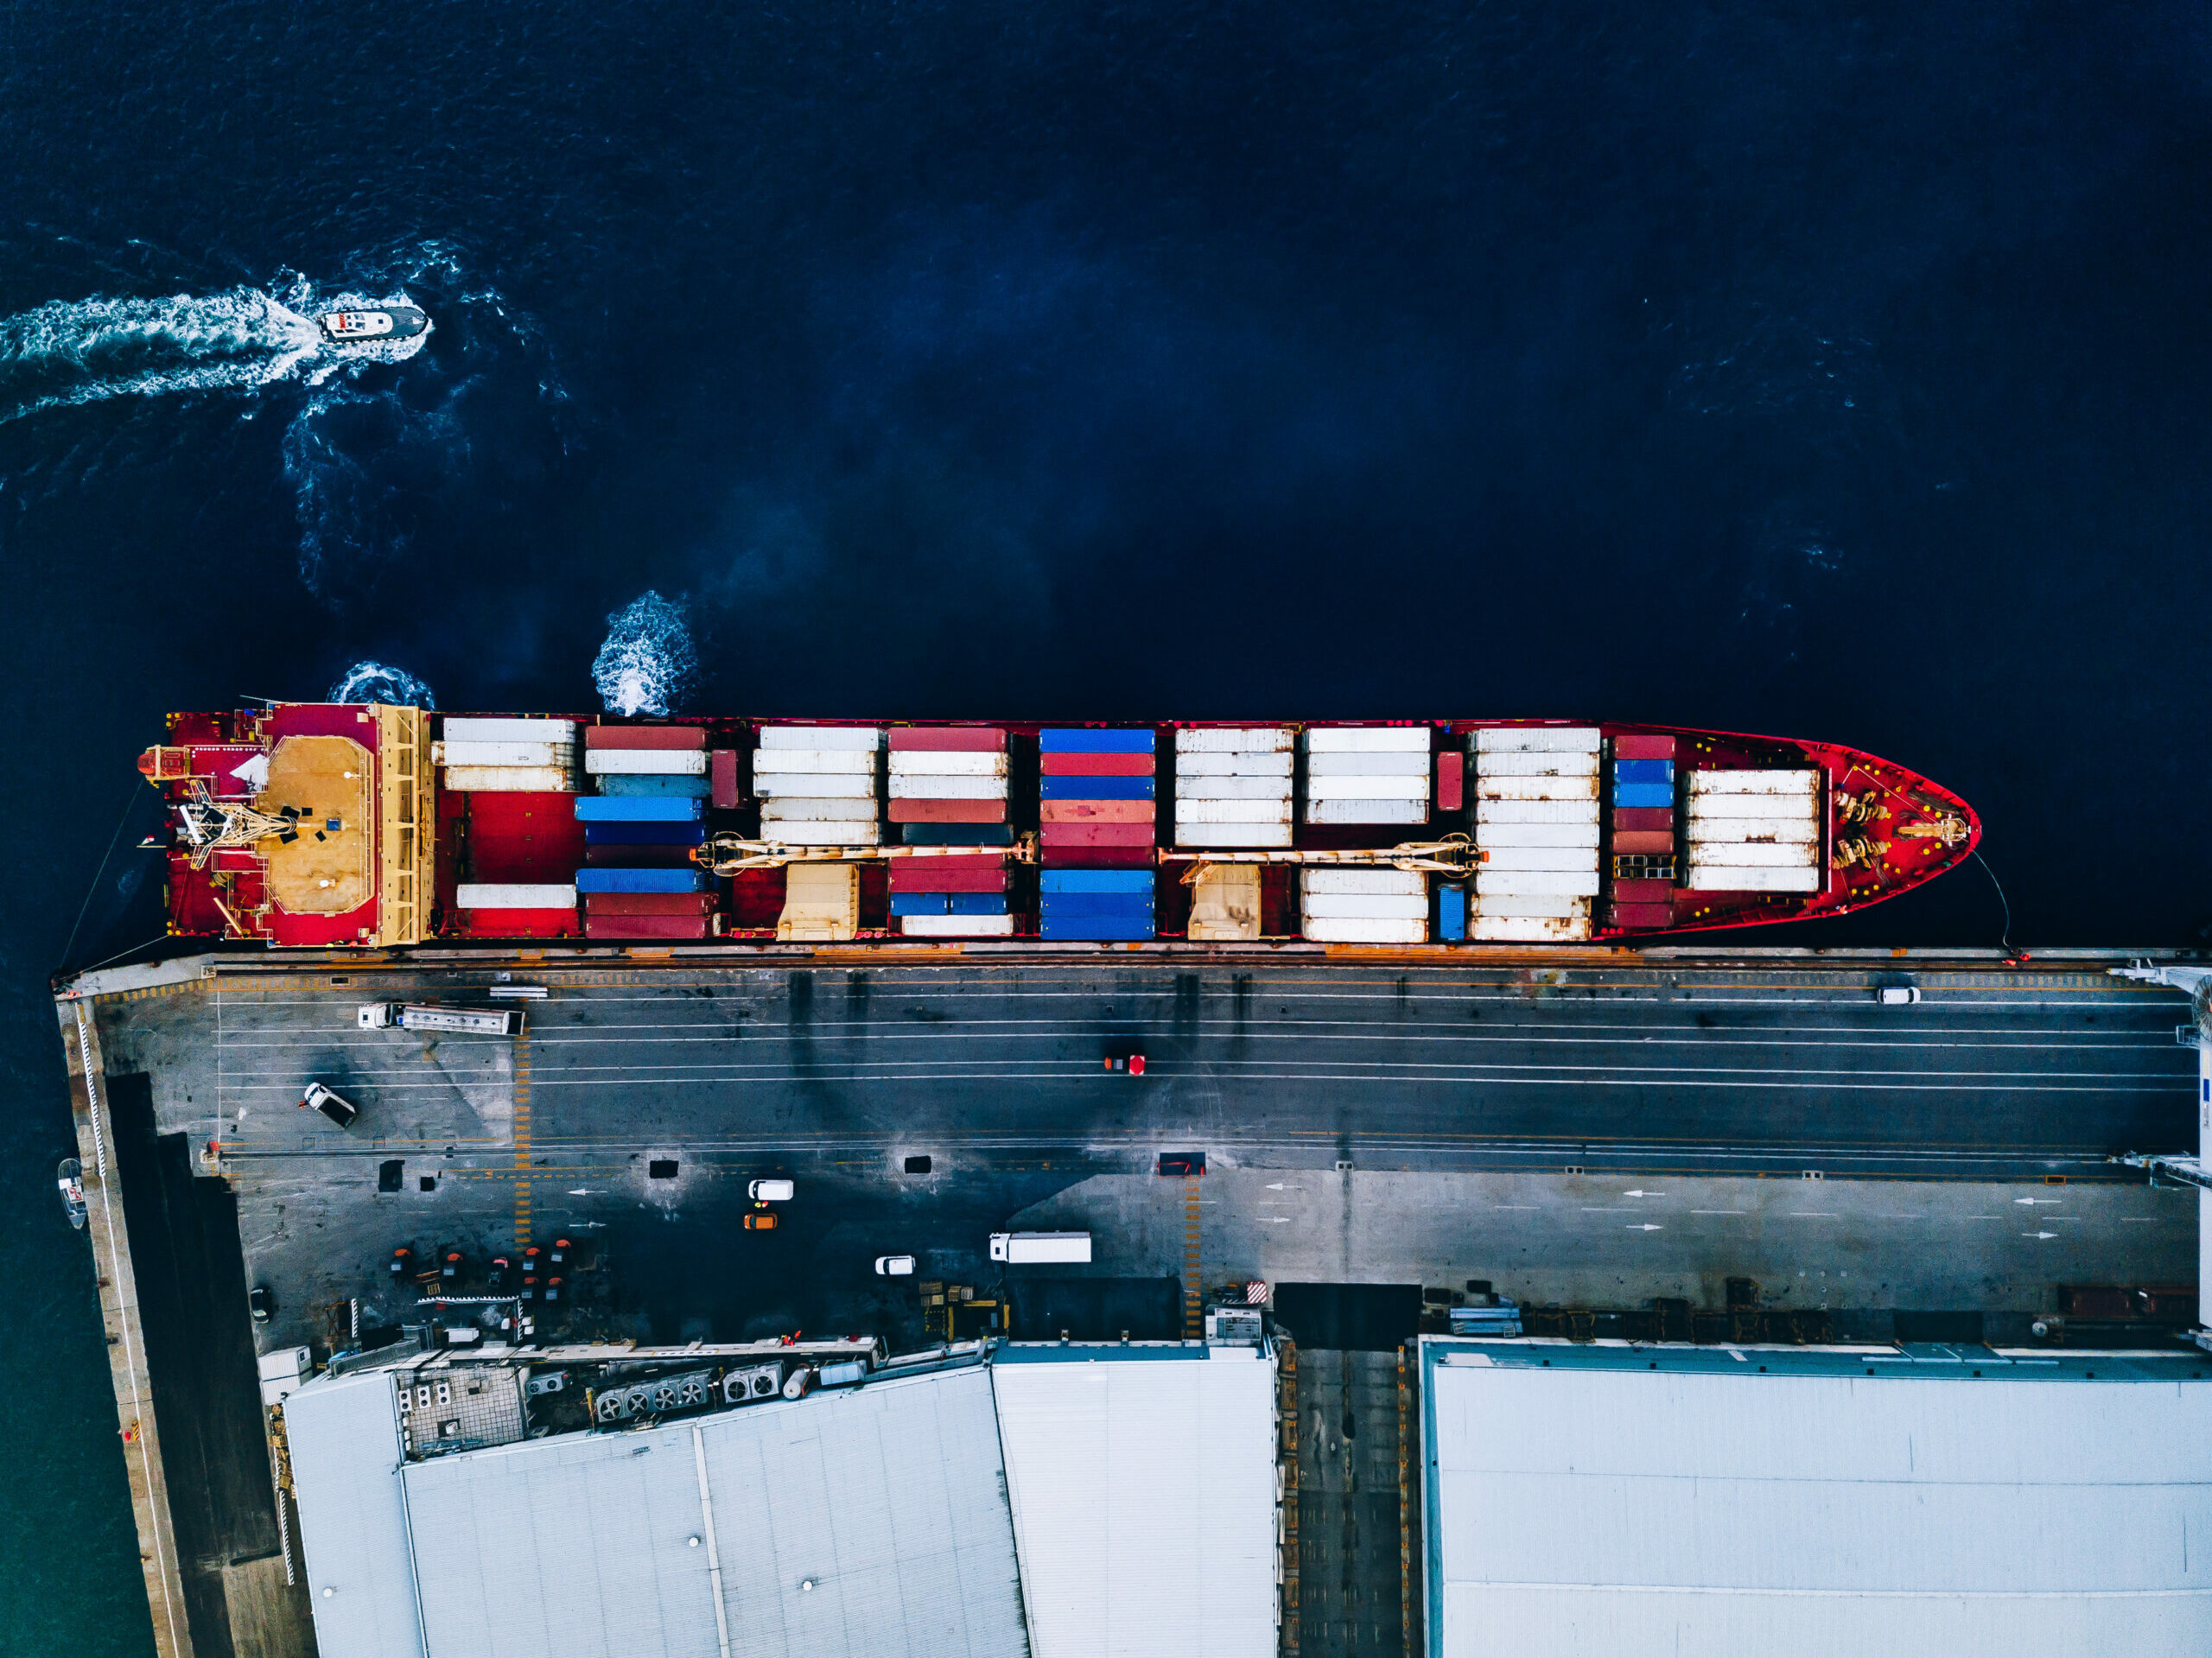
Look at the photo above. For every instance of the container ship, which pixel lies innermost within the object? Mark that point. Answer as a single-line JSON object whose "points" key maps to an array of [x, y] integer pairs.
{"points": [[325, 825]]}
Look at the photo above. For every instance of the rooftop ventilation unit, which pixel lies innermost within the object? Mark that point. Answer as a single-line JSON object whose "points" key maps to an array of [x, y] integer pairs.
{"points": [[753, 1382]]}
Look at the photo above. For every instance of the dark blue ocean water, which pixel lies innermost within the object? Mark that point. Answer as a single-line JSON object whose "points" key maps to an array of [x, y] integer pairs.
{"points": [[1809, 368]]}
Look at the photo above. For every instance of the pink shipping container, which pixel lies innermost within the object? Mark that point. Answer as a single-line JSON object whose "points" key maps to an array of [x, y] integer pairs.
{"points": [[644, 737], [1096, 765], [955, 740], [722, 772]]}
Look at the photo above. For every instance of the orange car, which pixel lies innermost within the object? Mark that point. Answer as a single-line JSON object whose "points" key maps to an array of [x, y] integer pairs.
{"points": [[762, 1220]]}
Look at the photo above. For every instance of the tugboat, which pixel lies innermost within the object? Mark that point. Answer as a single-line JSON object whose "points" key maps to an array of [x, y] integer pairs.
{"points": [[68, 1177], [375, 326]]}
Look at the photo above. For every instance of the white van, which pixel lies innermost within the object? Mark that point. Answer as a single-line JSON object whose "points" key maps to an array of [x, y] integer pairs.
{"points": [[770, 1191]]}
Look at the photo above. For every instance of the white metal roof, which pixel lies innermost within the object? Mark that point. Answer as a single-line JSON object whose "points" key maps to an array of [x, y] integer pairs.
{"points": [[1610, 1509], [344, 1438], [1143, 1488]]}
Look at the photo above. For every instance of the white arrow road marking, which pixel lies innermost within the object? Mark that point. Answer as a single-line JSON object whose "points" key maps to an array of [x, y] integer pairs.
{"points": [[1639, 1193], [586, 1191], [2038, 1235], [1646, 1227]]}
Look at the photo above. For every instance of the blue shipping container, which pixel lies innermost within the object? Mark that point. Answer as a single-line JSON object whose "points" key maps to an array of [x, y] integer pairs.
{"points": [[975, 903], [1079, 740], [919, 904], [645, 834], [1643, 771], [1064, 788], [1100, 904], [653, 782], [1451, 914], [1643, 794], [636, 809], [1095, 880], [641, 880], [1098, 928]]}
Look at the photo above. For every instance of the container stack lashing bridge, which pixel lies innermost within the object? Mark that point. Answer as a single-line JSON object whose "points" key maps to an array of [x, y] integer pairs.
{"points": [[727, 854]]}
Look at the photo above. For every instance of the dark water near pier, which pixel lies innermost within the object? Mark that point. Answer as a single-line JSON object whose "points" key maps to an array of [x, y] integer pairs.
{"points": [[1811, 370]]}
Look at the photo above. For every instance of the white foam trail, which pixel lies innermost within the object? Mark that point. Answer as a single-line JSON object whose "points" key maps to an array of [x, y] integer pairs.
{"points": [[376, 681], [648, 664], [83, 350]]}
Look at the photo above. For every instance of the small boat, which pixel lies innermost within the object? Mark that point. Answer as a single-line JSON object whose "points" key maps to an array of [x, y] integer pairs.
{"points": [[373, 327], [69, 1178]]}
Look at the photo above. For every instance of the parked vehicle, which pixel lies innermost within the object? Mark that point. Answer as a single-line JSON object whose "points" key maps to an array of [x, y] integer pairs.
{"points": [[1018, 1247], [69, 1178], [331, 1103], [1132, 1062], [495, 1283], [260, 1303], [429, 1016], [894, 1265], [770, 1191], [764, 1222], [1897, 995]]}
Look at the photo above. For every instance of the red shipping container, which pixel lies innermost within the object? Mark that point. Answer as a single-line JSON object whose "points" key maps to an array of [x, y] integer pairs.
{"points": [[949, 876], [645, 736], [1067, 835], [1644, 817], [1643, 915], [648, 902], [644, 926], [1096, 765], [638, 857], [948, 740], [1644, 891], [1643, 841], [1628, 747], [947, 811], [722, 779], [514, 924], [1097, 857], [1451, 784], [1094, 811]]}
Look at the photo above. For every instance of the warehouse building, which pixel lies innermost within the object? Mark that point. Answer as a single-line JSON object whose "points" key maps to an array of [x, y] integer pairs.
{"points": [[1058, 1499], [1628, 1500]]}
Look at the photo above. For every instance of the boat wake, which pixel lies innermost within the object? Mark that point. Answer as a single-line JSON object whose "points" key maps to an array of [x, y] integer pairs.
{"points": [[377, 682], [75, 352], [648, 664]]}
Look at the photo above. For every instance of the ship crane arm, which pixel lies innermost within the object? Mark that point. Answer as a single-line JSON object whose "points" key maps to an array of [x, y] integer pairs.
{"points": [[1455, 855], [210, 825], [726, 855]]}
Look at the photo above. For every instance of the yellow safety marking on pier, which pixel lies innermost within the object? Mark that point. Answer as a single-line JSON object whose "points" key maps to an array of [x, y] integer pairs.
{"points": [[1193, 1312], [522, 1139]]}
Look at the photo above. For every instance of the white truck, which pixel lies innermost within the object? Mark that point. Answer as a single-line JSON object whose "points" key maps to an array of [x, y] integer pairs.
{"points": [[424, 1016], [1017, 1249]]}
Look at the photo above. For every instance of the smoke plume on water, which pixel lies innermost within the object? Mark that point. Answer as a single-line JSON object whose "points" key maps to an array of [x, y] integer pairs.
{"points": [[377, 682], [648, 664]]}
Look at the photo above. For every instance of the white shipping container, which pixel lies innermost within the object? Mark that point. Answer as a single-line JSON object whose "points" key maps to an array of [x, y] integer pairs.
{"points": [[943, 763], [823, 832], [1345, 930], [1767, 808], [1232, 835], [474, 754], [1751, 831], [1540, 857], [1546, 764], [1754, 783], [1373, 906], [1537, 740], [467, 729], [1232, 740], [1491, 787], [511, 779], [1395, 764], [821, 737], [1536, 811], [1755, 856], [1536, 883], [647, 762], [1399, 788], [815, 785], [1530, 905], [815, 760], [905, 786], [1583, 834], [486, 895], [956, 926], [1221, 788], [1234, 766], [1528, 929], [783, 807], [1367, 811], [1232, 812], [1367, 740], [1324, 878], [1715, 878]]}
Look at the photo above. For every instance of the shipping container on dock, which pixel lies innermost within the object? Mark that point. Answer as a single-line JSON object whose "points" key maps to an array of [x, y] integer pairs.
{"points": [[953, 779], [507, 756], [1644, 868], [1754, 830]]}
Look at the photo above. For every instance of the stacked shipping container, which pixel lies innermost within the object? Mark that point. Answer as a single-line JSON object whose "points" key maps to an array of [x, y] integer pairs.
{"points": [[508, 756], [1364, 906], [641, 831], [1096, 832], [949, 788], [1233, 786], [1536, 825], [1755, 831], [1094, 903], [818, 785], [1643, 831], [1367, 774]]}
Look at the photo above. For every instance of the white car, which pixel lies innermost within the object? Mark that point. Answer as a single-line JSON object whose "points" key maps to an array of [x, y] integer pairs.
{"points": [[894, 1265], [331, 1104], [770, 1191], [1897, 995]]}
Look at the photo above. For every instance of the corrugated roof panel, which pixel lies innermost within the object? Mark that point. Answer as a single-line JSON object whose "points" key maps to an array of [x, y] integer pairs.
{"points": [[1143, 1497], [344, 1436]]}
